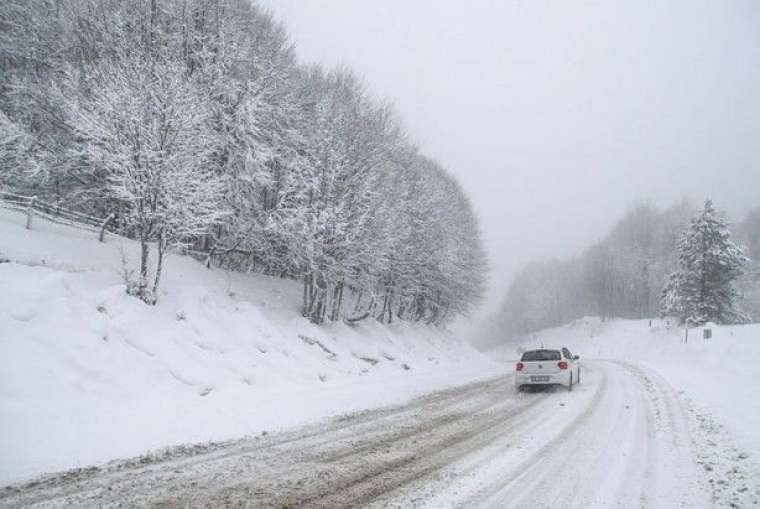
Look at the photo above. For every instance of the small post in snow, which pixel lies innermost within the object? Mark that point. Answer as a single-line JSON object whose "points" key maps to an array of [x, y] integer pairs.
{"points": [[102, 235], [30, 212]]}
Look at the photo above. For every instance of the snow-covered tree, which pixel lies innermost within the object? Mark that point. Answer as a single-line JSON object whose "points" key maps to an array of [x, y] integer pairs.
{"points": [[146, 130], [15, 152], [621, 276], [173, 113], [748, 231], [702, 288]]}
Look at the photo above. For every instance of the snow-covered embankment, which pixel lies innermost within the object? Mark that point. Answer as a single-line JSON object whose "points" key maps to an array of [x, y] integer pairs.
{"points": [[88, 374]]}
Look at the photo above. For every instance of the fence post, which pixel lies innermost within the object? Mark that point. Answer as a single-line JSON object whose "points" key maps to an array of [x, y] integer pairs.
{"points": [[102, 235], [30, 212]]}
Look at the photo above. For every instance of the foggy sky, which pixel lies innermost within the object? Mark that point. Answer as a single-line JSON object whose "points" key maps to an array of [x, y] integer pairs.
{"points": [[557, 117]]}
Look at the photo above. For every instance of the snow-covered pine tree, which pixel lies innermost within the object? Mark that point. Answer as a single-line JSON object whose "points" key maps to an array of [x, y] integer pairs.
{"points": [[701, 289]]}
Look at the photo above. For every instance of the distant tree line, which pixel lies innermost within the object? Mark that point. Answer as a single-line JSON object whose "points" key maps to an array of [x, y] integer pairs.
{"points": [[748, 233], [624, 275], [193, 122]]}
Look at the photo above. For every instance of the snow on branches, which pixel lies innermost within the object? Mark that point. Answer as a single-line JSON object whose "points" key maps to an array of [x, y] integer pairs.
{"points": [[702, 288], [144, 126], [192, 121]]}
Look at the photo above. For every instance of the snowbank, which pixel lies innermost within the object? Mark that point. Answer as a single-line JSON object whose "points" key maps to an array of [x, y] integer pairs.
{"points": [[721, 375], [88, 374]]}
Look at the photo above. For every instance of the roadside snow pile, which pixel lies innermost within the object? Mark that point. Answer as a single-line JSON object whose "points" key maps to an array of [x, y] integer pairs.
{"points": [[88, 374], [719, 376]]}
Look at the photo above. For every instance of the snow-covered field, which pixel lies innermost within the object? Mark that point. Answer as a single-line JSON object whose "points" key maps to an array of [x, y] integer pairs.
{"points": [[88, 374]]}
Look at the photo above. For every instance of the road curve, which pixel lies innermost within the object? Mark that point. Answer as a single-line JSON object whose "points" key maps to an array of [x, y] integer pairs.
{"points": [[620, 438]]}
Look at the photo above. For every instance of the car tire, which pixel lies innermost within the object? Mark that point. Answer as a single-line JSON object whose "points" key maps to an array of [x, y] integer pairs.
{"points": [[570, 387]]}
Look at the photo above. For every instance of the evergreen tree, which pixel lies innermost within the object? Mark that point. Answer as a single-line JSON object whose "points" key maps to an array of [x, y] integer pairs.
{"points": [[701, 289]]}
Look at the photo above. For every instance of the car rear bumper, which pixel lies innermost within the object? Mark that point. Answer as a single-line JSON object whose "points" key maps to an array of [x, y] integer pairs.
{"points": [[545, 379]]}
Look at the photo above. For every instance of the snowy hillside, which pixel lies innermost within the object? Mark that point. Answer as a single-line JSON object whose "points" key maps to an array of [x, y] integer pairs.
{"points": [[718, 378], [88, 374]]}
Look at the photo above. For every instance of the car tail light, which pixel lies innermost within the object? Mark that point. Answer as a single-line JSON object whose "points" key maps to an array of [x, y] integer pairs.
{"points": [[519, 366], [562, 365]]}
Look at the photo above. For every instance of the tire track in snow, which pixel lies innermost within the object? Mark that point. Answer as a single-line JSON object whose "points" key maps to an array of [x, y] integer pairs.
{"points": [[383, 460], [620, 438], [625, 449], [195, 468], [525, 472], [616, 450]]}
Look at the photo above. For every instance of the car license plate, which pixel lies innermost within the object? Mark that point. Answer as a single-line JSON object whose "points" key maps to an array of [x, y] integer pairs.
{"points": [[539, 379]]}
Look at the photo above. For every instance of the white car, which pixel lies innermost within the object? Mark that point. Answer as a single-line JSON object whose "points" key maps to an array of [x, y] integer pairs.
{"points": [[548, 367]]}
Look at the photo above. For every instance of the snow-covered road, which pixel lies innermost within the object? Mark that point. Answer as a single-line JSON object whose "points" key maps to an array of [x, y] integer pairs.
{"points": [[621, 438]]}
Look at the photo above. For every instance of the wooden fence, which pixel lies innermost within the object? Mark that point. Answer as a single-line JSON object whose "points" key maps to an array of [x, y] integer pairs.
{"points": [[35, 207]]}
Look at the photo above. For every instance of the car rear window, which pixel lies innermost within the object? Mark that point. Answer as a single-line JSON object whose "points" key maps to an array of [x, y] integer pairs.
{"points": [[541, 355]]}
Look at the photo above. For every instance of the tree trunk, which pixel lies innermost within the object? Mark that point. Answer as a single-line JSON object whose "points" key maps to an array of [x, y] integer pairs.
{"points": [[159, 265], [313, 298], [381, 316], [306, 294], [337, 302], [144, 258], [357, 304], [323, 307]]}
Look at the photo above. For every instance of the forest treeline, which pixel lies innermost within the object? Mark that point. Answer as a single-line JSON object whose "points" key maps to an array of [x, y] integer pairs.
{"points": [[193, 121], [622, 276]]}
